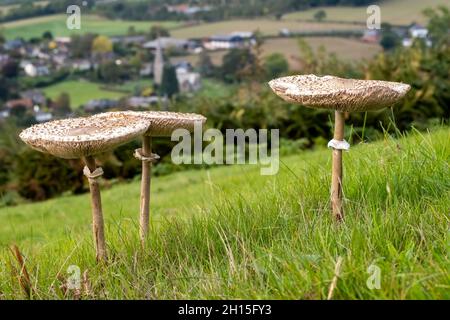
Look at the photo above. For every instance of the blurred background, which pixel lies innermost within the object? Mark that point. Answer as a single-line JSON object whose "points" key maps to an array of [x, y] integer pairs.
{"points": [[212, 57]]}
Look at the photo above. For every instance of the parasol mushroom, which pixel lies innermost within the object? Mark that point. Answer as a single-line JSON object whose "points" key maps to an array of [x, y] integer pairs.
{"points": [[341, 95], [84, 138], [160, 124]]}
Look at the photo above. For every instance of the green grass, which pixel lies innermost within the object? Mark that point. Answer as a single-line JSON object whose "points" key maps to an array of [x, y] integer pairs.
{"points": [[35, 27], [392, 11], [80, 92], [232, 233]]}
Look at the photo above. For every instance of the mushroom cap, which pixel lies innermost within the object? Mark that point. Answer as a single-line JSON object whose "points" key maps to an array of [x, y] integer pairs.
{"points": [[163, 123], [81, 137], [330, 92]]}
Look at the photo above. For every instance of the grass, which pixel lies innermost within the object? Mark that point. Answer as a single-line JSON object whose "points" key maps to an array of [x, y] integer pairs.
{"points": [[35, 27], [397, 12], [232, 233], [266, 26], [81, 92]]}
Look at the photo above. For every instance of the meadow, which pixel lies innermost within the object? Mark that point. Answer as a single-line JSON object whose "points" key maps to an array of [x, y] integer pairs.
{"points": [[81, 91], [229, 232], [56, 24], [397, 12]]}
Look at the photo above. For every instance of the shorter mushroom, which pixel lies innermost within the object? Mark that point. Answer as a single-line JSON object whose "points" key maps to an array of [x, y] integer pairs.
{"points": [[84, 138], [160, 124], [341, 95]]}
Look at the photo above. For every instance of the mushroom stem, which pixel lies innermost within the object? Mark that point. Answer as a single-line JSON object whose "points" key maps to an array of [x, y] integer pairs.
{"points": [[336, 176], [145, 189], [97, 213]]}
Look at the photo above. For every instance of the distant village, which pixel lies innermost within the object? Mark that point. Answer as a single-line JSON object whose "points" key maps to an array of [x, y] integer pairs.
{"points": [[42, 59]]}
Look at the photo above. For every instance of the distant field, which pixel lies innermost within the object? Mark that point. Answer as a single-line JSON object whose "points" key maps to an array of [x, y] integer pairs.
{"points": [[346, 49], [266, 26], [81, 92], [35, 27], [4, 9], [392, 11]]}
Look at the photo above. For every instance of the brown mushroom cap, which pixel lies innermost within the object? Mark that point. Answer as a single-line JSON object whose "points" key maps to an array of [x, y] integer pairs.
{"points": [[81, 137], [163, 123], [341, 94]]}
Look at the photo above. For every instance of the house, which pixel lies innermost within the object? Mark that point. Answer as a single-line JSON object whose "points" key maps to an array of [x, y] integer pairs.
{"points": [[418, 31], [100, 105], [127, 40], [231, 41], [15, 44], [188, 81], [16, 103], [139, 102], [4, 114], [371, 36], [146, 70], [167, 42], [187, 9], [82, 65], [42, 116], [34, 70], [36, 96]]}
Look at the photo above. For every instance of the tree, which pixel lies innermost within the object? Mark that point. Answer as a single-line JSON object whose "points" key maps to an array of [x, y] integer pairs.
{"points": [[61, 107], [389, 39], [157, 31], [47, 35], [11, 69], [320, 15], [169, 84], [439, 25], [235, 62], [276, 65], [81, 46], [109, 72], [205, 65], [102, 45]]}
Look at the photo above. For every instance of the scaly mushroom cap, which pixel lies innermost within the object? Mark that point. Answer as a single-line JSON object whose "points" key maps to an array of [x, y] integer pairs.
{"points": [[341, 94], [81, 137], [163, 123]]}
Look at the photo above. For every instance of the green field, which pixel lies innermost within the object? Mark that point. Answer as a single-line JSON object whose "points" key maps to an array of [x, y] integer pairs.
{"points": [[393, 11], [35, 27], [231, 233], [80, 92]]}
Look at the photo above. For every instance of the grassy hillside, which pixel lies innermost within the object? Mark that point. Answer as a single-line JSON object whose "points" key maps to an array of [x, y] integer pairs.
{"points": [[35, 27], [231, 233], [392, 11]]}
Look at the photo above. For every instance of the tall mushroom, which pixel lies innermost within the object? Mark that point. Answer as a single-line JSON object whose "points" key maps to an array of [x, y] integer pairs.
{"points": [[160, 124], [84, 138], [341, 95]]}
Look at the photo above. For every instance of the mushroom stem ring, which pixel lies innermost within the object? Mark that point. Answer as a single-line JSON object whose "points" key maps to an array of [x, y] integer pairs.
{"points": [[93, 175], [138, 154]]}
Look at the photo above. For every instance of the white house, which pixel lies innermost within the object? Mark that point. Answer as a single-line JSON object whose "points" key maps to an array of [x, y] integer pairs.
{"points": [[230, 41], [188, 81], [418, 31]]}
